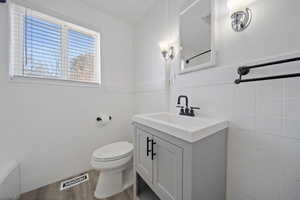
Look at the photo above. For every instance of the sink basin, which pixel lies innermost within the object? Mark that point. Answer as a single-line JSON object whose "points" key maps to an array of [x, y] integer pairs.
{"points": [[190, 129]]}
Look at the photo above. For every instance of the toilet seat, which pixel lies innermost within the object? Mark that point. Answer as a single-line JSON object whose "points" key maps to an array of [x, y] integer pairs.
{"points": [[112, 152]]}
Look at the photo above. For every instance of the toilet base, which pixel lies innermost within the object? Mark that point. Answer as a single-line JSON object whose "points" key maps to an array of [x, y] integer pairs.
{"points": [[113, 182]]}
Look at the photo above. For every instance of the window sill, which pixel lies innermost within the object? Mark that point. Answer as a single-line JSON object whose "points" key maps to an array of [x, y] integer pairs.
{"points": [[55, 82]]}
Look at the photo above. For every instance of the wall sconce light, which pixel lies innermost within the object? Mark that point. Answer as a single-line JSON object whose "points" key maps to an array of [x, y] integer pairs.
{"points": [[241, 19], [167, 51]]}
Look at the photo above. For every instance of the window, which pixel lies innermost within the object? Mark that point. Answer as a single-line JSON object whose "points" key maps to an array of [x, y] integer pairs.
{"points": [[49, 48]]}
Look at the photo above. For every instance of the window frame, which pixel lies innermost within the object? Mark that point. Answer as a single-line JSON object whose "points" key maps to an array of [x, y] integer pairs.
{"points": [[66, 26]]}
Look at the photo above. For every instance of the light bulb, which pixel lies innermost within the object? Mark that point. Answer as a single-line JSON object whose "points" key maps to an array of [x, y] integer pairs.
{"points": [[167, 50], [163, 46]]}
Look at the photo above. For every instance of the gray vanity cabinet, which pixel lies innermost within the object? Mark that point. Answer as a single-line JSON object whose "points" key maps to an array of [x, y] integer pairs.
{"points": [[167, 170], [162, 171], [176, 169], [143, 162]]}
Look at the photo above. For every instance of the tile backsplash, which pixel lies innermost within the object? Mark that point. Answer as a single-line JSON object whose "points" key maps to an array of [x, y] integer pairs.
{"points": [[264, 133]]}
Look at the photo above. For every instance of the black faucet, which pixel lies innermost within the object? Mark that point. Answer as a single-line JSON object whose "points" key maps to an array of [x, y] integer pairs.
{"points": [[186, 100], [187, 111]]}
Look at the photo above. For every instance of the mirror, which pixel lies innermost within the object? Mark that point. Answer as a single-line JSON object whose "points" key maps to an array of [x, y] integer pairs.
{"points": [[197, 36]]}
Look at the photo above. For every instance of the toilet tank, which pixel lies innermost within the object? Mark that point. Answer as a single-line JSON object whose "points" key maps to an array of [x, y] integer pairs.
{"points": [[10, 181]]}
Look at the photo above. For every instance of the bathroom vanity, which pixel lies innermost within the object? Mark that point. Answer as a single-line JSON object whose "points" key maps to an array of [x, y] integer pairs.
{"points": [[179, 157]]}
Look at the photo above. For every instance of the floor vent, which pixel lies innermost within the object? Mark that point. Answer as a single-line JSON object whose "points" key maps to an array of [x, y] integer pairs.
{"points": [[74, 181]]}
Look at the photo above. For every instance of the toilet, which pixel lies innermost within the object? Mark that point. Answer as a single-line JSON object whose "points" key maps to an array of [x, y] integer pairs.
{"points": [[115, 162]]}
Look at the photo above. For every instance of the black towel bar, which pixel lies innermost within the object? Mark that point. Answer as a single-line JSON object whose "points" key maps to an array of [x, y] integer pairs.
{"points": [[237, 81], [242, 71], [195, 56]]}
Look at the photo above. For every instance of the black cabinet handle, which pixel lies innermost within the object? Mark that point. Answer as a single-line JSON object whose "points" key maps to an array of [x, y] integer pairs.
{"points": [[152, 148], [148, 150]]}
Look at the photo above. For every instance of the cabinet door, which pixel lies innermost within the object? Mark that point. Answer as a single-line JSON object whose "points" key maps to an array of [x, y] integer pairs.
{"points": [[167, 170], [144, 163]]}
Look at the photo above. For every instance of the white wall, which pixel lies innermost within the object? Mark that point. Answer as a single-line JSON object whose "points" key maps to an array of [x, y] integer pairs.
{"points": [[151, 93], [51, 129], [264, 139]]}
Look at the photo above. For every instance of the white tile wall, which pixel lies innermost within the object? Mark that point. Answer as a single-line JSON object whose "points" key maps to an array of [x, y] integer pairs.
{"points": [[290, 171], [149, 102], [293, 109], [241, 165], [264, 134], [292, 88], [292, 128]]}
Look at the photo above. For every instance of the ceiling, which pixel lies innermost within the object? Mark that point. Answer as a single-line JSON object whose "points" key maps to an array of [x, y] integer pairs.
{"points": [[129, 10]]}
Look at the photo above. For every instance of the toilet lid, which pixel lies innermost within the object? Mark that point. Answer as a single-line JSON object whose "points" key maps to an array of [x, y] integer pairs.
{"points": [[114, 151]]}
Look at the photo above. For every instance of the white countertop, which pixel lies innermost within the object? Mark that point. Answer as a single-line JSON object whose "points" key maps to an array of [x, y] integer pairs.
{"points": [[190, 129]]}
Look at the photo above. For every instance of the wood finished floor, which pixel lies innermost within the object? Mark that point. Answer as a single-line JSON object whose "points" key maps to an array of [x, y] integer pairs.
{"points": [[84, 191]]}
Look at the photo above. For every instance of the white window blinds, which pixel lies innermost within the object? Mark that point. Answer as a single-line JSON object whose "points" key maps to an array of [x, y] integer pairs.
{"points": [[46, 47]]}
